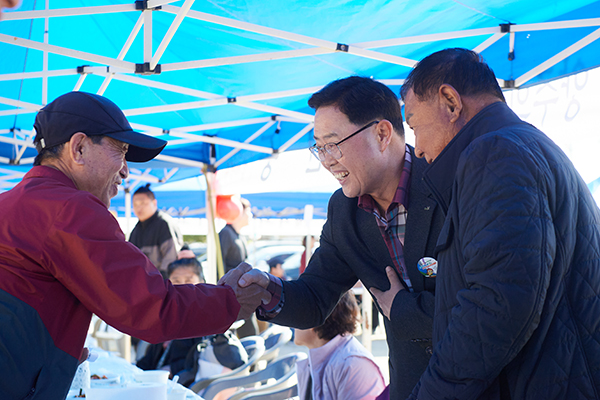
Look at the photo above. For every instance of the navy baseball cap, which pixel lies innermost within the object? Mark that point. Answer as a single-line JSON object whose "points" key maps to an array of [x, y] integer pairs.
{"points": [[93, 115]]}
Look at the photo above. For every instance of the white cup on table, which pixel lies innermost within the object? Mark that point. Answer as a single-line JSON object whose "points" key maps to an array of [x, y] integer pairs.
{"points": [[152, 376]]}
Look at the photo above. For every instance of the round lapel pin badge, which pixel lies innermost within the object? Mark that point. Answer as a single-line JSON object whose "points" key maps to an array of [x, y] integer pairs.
{"points": [[428, 266]]}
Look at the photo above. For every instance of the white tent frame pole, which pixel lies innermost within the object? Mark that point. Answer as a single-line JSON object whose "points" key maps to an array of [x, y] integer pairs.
{"points": [[4, 160], [283, 118], [216, 102], [79, 82], [24, 132], [558, 58], [281, 94], [222, 142], [128, 207], [166, 86], [158, 3], [67, 52], [37, 74], [181, 161], [20, 151], [132, 35], [144, 178], [28, 160], [147, 35], [192, 105], [391, 82], [207, 95], [168, 174], [217, 62], [488, 42], [434, 37], [68, 12], [20, 103], [256, 134], [228, 124], [170, 33], [15, 112], [11, 174], [276, 33], [375, 55], [275, 110], [16, 142], [45, 57], [296, 137], [545, 26], [246, 26]]}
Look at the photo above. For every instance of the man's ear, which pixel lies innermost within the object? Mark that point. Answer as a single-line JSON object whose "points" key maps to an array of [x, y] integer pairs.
{"points": [[384, 131], [451, 102], [76, 147]]}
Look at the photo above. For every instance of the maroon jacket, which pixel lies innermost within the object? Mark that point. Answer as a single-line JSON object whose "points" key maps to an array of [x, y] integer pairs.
{"points": [[64, 257]]}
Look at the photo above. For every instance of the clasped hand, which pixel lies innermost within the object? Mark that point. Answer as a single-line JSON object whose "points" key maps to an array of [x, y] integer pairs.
{"points": [[252, 293]]}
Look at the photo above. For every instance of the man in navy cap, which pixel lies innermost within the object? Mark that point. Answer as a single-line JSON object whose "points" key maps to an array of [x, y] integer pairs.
{"points": [[64, 257]]}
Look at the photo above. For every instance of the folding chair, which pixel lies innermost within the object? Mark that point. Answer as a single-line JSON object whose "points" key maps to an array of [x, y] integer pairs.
{"points": [[276, 375], [255, 347], [275, 337], [280, 394]]}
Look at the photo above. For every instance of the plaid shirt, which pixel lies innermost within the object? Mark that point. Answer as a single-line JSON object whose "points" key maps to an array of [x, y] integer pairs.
{"points": [[392, 225]]}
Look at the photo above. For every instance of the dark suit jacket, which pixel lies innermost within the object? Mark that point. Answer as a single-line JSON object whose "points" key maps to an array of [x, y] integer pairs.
{"points": [[351, 248]]}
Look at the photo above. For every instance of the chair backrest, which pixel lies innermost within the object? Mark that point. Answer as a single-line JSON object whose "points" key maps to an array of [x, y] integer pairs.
{"points": [[279, 394], [274, 375], [275, 337], [255, 347]]}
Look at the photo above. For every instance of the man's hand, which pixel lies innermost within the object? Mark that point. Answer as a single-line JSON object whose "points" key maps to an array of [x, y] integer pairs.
{"points": [[385, 299], [250, 295], [255, 276]]}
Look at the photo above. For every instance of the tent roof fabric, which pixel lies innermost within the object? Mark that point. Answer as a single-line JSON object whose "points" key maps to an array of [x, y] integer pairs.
{"points": [[235, 75]]}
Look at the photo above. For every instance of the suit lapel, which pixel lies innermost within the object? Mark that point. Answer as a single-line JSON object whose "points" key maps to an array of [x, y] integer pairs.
{"points": [[420, 212]]}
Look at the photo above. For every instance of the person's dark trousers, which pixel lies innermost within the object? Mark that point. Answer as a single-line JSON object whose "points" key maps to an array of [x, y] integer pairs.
{"points": [[250, 328]]}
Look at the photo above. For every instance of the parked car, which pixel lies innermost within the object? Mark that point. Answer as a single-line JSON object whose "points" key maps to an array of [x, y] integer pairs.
{"points": [[259, 258]]}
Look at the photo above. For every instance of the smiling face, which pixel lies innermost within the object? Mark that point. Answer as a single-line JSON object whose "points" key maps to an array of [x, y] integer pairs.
{"points": [[105, 168], [431, 124], [356, 169]]}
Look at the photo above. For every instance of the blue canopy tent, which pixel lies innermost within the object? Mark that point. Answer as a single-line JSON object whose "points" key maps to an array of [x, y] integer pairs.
{"points": [[226, 82]]}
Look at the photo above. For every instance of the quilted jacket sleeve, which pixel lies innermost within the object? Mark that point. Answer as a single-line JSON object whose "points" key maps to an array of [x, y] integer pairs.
{"points": [[496, 268]]}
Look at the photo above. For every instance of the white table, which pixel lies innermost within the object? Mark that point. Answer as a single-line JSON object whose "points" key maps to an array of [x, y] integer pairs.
{"points": [[110, 363]]}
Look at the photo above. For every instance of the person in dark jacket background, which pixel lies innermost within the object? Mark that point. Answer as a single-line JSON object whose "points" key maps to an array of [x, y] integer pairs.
{"points": [[517, 297], [156, 234]]}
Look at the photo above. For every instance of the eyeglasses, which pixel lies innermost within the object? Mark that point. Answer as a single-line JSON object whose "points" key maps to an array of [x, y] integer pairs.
{"points": [[332, 148]]}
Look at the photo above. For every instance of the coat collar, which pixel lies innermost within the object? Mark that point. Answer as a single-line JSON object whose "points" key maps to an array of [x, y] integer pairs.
{"points": [[440, 174]]}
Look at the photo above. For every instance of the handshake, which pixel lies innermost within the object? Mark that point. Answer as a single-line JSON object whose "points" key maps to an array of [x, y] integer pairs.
{"points": [[250, 287]]}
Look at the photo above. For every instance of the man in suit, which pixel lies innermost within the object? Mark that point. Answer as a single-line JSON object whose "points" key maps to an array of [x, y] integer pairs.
{"points": [[373, 222]]}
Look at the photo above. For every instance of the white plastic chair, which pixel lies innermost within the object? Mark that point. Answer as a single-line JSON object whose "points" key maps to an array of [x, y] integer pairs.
{"points": [[279, 394], [275, 337], [276, 375], [255, 347]]}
